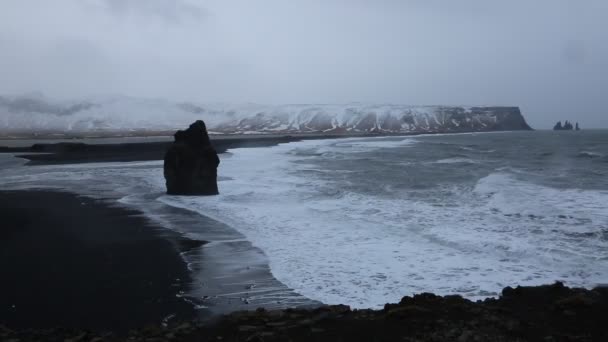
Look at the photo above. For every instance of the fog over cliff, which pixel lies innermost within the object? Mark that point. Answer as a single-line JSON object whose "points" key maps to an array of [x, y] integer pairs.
{"points": [[549, 57]]}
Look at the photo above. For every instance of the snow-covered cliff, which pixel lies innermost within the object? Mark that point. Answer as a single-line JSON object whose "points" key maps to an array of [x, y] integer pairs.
{"points": [[123, 114]]}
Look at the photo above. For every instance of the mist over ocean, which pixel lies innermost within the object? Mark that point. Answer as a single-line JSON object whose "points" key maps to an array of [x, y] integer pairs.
{"points": [[365, 221]]}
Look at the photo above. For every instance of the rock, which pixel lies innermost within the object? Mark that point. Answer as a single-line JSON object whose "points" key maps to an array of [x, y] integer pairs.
{"points": [[576, 301], [410, 312], [305, 322], [524, 313], [80, 337], [340, 309], [465, 336], [191, 163], [276, 324], [255, 338], [247, 328], [184, 328], [566, 127], [155, 339], [4, 331], [558, 126], [150, 331]]}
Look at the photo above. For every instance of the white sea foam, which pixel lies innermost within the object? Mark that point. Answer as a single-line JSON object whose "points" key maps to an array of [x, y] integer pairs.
{"points": [[455, 160], [375, 143], [590, 154], [8, 160], [339, 246], [365, 250]]}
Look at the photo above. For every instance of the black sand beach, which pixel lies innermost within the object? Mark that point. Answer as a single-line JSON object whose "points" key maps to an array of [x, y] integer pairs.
{"points": [[78, 269], [93, 151], [84, 152], [83, 264], [75, 262]]}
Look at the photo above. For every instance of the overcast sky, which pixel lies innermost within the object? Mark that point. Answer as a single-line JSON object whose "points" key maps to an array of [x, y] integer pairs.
{"points": [[550, 57]]}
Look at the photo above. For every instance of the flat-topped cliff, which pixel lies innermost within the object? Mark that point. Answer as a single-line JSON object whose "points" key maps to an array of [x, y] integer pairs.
{"points": [[39, 115]]}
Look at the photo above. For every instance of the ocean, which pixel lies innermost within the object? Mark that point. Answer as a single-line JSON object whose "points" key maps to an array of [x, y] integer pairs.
{"points": [[366, 221]]}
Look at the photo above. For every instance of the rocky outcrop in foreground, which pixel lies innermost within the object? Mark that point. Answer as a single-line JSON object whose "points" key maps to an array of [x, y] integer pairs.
{"points": [[543, 313], [191, 163]]}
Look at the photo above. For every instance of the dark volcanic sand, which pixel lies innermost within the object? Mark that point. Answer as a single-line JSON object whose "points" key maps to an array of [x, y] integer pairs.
{"points": [[67, 153], [76, 262], [79, 152]]}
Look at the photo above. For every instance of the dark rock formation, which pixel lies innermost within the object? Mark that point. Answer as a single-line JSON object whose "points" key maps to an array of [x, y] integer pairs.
{"points": [[558, 126], [566, 127], [507, 118], [191, 163], [577, 127], [543, 313]]}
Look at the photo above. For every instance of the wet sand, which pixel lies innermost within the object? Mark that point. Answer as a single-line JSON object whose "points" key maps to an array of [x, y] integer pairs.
{"points": [[77, 262], [83, 151]]}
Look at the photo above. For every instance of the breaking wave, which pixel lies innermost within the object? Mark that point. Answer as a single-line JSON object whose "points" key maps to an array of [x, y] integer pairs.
{"points": [[362, 249], [365, 221]]}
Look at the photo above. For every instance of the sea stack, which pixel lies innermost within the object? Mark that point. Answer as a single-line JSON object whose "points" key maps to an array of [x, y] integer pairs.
{"points": [[191, 163], [566, 127]]}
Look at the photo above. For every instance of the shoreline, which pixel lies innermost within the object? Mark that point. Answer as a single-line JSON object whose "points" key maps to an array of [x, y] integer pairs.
{"points": [[73, 261], [533, 313], [539, 313], [76, 152], [229, 273]]}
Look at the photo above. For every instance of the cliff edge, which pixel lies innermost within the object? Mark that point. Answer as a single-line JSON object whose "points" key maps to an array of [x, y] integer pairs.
{"points": [[130, 116]]}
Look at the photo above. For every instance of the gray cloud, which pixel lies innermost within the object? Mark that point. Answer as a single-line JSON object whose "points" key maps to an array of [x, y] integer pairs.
{"points": [[172, 11], [548, 56]]}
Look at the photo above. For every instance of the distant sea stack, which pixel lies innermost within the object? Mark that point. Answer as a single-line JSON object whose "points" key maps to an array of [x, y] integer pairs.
{"points": [[567, 126], [191, 163]]}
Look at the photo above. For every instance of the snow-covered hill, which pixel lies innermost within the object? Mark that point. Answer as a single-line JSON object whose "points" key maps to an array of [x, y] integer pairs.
{"points": [[35, 113]]}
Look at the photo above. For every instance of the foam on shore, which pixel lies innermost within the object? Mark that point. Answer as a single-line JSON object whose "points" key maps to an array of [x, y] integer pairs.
{"points": [[339, 246]]}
